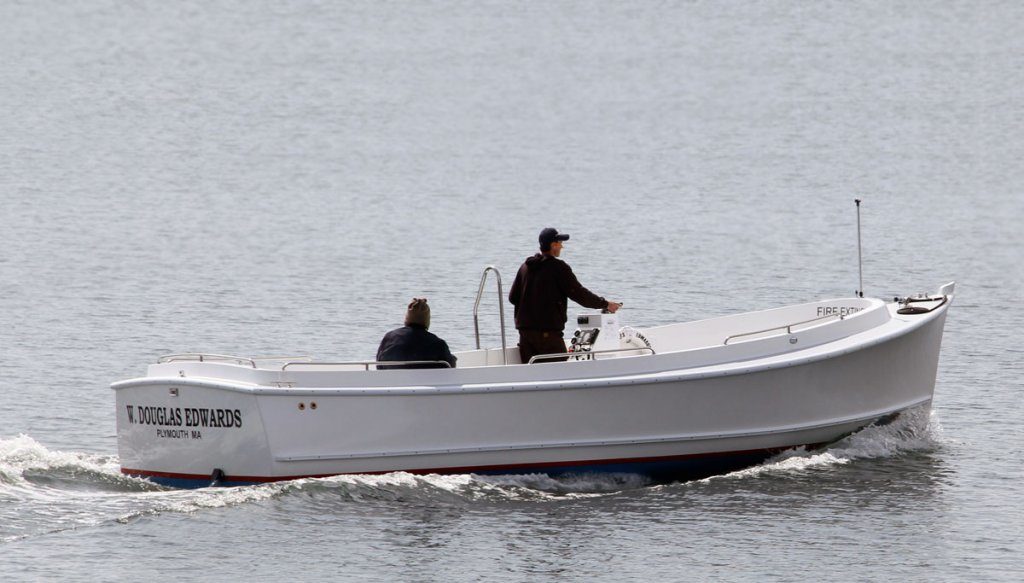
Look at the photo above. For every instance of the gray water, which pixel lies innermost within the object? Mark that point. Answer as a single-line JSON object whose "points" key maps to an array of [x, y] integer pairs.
{"points": [[264, 178]]}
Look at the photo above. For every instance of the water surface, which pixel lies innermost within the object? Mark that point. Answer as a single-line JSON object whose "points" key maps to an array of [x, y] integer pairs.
{"points": [[258, 178]]}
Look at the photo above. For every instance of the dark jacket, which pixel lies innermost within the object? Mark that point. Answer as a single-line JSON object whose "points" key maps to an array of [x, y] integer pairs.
{"points": [[540, 292], [413, 342]]}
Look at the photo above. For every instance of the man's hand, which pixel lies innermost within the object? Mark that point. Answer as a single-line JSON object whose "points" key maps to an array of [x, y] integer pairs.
{"points": [[613, 307]]}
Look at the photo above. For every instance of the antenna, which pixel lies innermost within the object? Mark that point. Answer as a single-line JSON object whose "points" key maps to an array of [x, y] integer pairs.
{"points": [[860, 260]]}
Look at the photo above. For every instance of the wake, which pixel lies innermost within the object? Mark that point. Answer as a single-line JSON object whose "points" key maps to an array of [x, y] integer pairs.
{"points": [[44, 491]]}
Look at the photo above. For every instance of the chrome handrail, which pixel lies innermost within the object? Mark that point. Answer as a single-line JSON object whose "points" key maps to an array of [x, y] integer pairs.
{"points": [[203, 357], [787, 327], [367, 363], [568, 355], [501, 310]]}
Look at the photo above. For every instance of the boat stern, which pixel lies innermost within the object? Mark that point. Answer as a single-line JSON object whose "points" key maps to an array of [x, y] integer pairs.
{"points": [[189, 433]]}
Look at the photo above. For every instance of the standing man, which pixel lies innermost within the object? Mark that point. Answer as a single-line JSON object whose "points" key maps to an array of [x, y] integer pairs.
{"points": [[540, 292]]}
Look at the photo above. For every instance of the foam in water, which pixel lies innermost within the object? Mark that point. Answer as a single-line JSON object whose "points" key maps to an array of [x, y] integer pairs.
{"points": [[571, 485], [23, 456], [47, 487], [50, 491], [471, 487], [914, 430]]}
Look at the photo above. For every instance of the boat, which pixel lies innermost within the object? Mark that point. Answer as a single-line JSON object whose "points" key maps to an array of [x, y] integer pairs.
{"points": [[672, 402]]}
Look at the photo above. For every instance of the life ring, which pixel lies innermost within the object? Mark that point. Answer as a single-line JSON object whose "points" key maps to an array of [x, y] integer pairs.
{"points": [[630, 337]]}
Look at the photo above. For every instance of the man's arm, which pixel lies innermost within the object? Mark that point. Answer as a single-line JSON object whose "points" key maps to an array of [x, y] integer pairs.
{"points": [[517, 288], [449, 358], [579, 294], [385, 344]]}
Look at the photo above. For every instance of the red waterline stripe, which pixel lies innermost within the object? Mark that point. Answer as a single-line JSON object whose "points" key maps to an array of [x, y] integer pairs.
{"points": [[472, 469]]}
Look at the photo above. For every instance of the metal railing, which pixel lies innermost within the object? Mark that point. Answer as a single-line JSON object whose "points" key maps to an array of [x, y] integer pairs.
{"points": [[501, 310], [787, 327], [367, 363], [589, 354], [203, 357]]}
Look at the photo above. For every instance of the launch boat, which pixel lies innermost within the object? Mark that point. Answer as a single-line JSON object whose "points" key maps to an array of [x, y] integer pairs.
{"points": [[672, 402]]}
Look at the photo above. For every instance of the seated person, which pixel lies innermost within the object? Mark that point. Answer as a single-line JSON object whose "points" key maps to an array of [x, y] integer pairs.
{"points": [[414, 342]]}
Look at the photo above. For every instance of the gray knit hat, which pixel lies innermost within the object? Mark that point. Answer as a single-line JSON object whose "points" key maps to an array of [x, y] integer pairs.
{"points": [[418, 313]]}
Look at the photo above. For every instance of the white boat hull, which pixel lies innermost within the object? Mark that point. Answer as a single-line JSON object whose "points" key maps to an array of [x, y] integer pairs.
{"points": [[656, 415]]}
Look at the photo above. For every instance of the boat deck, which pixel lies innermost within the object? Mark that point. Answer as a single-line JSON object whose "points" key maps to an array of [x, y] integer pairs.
{"points": [[717, 346]]}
